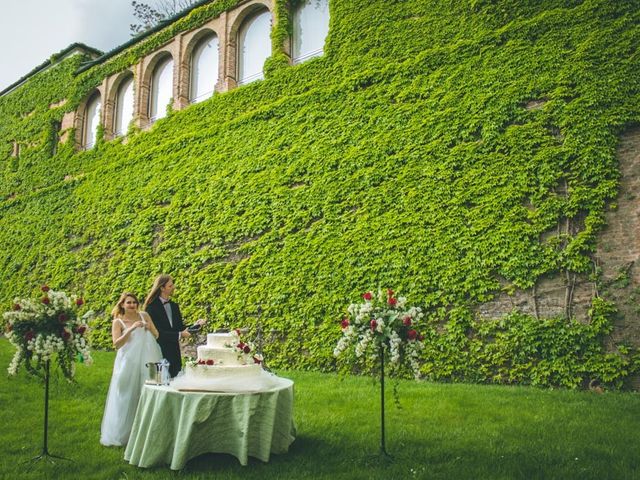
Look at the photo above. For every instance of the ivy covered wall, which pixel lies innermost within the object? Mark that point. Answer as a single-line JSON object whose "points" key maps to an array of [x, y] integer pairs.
{"points": [[409, 156]]}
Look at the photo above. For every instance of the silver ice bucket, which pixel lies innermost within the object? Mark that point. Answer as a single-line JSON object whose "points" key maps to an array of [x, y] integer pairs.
{"points": [[159, 372]]}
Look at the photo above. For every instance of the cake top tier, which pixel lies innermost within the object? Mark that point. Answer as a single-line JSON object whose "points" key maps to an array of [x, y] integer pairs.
{"points": [[222, 340]]}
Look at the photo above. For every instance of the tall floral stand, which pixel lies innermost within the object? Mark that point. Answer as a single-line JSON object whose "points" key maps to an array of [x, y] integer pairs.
{"points": [[383, 449], [45, 455]]}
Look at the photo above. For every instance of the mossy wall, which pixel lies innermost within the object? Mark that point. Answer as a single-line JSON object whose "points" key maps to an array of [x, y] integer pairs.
{"points": [[405, 157]]}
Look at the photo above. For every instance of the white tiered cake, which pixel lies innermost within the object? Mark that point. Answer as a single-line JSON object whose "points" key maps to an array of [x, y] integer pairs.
{"points": [[224, 353], [226, 364]]}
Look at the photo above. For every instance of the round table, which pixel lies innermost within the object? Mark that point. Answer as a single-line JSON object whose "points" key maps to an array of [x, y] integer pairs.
{"points": [[171, 426]]}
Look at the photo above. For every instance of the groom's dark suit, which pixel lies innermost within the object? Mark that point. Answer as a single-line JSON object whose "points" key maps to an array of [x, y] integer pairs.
{"points": [[169, 338]]}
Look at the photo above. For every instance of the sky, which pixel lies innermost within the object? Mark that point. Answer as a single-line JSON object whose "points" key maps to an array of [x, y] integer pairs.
{"points": [[32, 30]]}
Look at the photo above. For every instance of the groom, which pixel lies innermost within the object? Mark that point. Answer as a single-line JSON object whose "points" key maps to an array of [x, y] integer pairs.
{"points": [[168, 320]]}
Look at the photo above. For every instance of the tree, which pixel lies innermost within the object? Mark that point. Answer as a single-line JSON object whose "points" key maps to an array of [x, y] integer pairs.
{"points": [[149, 16]]}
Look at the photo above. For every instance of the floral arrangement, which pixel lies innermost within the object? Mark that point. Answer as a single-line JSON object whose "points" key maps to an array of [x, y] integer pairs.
{"points": [[47, 326], [244, 349], [383, 321]]}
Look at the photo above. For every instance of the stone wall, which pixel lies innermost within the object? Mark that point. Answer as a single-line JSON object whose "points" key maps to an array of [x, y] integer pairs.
{"points": [[617, 257]]}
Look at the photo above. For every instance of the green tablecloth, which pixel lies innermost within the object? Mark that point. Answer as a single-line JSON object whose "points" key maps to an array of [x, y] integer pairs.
{"points": [[172, 427]]}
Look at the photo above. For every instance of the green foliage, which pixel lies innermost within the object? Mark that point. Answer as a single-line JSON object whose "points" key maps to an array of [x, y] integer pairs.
{"points": [[408, 156]]}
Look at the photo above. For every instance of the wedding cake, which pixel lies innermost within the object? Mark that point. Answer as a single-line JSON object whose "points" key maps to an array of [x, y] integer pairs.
{"points": [[225, 354], [225, 364]]}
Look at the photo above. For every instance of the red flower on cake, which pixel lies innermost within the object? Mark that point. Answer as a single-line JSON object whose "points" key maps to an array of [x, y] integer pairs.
{"points": [[201, 362], [209, 362], [257, 360], [246, 349]]}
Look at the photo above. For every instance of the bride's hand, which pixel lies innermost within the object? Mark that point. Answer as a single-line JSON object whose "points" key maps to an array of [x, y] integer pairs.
{"points": [[137, 324]]}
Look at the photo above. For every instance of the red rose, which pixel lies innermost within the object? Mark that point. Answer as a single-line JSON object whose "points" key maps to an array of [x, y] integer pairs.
{"points": [[44, 288], [79, 302], [65, 334], [237, 330], [373, 324], [81, 329], [406, 321], [412, 334], [28, 336], [257, 360], [201, 362], [63, 317], [367, 296], [209, 362], [246, 349], [16, 306], [46, 300], [240, 346], [392, 301], [345, 322]]}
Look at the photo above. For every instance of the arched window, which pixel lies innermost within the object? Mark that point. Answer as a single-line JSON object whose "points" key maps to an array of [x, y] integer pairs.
{"points": [[204, 69], [124, 107], [161, 89], [92, 120], [254, 47], [310, 29]]}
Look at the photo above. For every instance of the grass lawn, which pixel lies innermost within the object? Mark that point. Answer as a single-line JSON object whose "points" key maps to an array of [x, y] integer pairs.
{"points": [[442, 431]]}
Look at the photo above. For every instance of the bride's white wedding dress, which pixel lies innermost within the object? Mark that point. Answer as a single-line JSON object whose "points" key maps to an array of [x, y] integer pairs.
{"points": [[129, 374]]}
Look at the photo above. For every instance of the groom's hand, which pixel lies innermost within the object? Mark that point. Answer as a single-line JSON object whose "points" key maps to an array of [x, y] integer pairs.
{"points": [[185, 333]]}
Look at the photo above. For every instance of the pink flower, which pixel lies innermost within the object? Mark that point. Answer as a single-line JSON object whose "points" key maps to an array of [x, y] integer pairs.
{"points": [[406, 321], [46, 300], [345, 322], [392, 301], [16, 306], [209, 362], [45, 288], [79, 302], [63, 317], [412, 334], [373, 324], [367, 296]]}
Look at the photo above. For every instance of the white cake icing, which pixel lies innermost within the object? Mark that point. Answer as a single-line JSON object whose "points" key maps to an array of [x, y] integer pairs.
{"points": [[223, 366]]}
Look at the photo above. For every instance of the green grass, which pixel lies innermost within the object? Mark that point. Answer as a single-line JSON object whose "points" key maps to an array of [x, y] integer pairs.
{"points": [[447, 431]]}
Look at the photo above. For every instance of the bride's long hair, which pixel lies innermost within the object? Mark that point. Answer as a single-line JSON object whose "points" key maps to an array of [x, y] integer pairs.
{"points": [[118, 310], [158, 283]]}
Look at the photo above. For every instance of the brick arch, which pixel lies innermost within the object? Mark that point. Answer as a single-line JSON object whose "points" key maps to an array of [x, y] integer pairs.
{"points": [[81, 113], [110, 100], [236, 20], [145, 81], [186, 67]]}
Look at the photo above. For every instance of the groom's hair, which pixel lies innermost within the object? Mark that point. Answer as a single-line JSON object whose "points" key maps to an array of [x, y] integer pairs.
{"points": [[158, 283]]}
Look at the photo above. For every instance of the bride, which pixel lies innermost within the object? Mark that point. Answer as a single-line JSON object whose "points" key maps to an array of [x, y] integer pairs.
{"points": [[134, 336]]}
